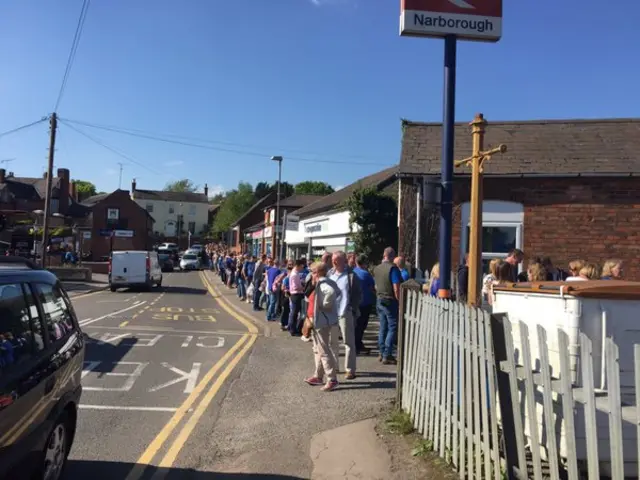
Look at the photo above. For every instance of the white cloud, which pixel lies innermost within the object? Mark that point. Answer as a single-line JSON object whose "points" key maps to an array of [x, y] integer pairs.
{"points": [[339, 187], [215, 190], [174, 163]]}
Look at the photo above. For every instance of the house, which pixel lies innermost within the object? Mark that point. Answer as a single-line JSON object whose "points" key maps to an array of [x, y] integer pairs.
{"points": [[175, 213], [251, 222], [115, 222], [323, 225], [269, 241], [565, 189]]}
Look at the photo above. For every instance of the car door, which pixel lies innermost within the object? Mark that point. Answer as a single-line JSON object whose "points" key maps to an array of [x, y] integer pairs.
{"points": [[24, 375]]}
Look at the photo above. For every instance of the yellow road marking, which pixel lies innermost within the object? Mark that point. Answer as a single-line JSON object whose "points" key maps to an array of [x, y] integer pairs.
{"points": [[125, 323], [183, 436], [223, 303], [153, 448]]}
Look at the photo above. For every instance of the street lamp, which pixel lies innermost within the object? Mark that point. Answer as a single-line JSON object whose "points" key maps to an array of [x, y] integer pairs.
{"points": [[278, 158]]}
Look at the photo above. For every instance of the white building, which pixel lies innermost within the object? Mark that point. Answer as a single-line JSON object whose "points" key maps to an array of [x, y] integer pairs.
{"points": [[174, 211], [323, 226]]}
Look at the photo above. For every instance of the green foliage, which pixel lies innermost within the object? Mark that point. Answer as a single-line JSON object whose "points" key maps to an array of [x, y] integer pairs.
{"points": [[184, 185], [263, 189], [422, 447], [311, 187], [375, 214], [235, 204], [85, 189], [399, 423]]}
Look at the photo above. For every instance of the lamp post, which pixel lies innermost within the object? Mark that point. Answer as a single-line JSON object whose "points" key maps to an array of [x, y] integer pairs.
{"points": [[476, 162], [278, 158]]}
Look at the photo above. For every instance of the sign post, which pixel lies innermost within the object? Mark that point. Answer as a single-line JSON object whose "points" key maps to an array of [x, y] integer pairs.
{"points": [[477, 20]]}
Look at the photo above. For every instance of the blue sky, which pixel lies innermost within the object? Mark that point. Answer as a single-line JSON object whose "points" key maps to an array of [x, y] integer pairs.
{"points": [[307, 79]]}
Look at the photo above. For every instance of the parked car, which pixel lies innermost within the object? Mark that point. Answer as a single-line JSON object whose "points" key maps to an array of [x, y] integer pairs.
{"points": [[166, 262], [168, 246], [190, 261], [41, 360], [134, 268]]}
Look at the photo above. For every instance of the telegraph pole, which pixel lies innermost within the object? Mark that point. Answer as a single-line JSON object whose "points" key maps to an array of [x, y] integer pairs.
{"points": [[476, 162], [120, 178], [47, 198]]}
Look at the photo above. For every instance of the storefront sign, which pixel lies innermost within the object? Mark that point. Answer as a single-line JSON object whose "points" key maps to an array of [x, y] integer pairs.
{"points": [[104, 232], [316, 227], [257, 234], [351, 246], [123, 233], [86, 235], [293, 222], [267, 232]]}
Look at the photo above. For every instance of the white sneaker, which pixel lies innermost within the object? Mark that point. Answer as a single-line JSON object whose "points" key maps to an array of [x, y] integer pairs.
{"points": [[305, 339]]}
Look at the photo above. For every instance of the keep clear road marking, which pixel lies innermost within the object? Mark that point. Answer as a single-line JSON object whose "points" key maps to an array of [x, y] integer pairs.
{"points": [[88, 321], [248, 339]]}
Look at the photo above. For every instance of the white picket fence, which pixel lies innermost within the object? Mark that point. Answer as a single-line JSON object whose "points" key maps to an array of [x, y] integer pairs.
{"points": [[473, 391]]}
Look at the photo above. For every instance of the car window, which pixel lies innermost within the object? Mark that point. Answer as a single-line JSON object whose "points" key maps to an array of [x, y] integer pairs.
{"points": [[58, 320], [16, 338], [189, 256]]}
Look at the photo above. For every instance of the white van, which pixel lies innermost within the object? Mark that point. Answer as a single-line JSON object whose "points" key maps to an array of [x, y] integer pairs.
{"points": [[134, 268]]}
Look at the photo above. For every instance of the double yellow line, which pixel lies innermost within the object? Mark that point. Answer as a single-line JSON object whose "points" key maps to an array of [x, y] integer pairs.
{"points": [[201, 394]]}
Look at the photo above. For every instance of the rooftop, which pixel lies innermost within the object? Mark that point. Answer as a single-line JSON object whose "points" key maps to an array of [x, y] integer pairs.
{"points": [[535, 147], [166, 196]]}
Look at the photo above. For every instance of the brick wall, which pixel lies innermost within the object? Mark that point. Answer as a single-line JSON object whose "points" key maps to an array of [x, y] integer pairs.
{"points": [[564, 218]]}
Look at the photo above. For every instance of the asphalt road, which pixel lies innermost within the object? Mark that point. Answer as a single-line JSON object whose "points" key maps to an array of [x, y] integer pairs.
{"points": [[156, 366]]}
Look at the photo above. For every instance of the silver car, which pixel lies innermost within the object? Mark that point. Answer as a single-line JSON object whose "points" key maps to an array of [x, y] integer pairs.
{"points": [[190, 261]]}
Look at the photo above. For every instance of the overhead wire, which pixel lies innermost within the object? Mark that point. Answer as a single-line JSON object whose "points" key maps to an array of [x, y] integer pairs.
{"points": [[111, 149], [23, 127], [176, 139], [72, 52]]}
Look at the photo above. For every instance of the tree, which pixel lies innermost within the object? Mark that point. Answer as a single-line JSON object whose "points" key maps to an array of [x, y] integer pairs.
{"points": [[236, 203], [376, 215], [184, 185], [85, 189], [311, 187], [263, 189], [217, 198]]}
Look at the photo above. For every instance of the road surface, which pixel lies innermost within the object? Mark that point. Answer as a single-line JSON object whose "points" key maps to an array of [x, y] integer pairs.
{"points": [[156, 366]]}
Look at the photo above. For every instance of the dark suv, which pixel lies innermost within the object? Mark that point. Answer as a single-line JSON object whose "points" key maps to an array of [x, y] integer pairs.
{"points": [[41, 358]]}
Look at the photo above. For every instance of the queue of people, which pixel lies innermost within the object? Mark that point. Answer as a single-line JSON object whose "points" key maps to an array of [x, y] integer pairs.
{"points": [[327, 303]]}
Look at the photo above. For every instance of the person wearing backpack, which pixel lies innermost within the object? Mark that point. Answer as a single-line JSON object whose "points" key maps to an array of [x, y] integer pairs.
{"points": [[322, 318], [348, 310]]}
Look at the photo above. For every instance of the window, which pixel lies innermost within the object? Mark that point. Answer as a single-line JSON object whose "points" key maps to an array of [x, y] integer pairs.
{"points": [[192, 210], [172, 209], [502, 229], [16, 337], [150, 207], [57, 319], [192, 227]]}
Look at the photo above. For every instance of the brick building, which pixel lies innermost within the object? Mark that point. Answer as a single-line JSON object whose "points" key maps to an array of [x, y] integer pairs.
{"points": [[565, 189], [116, 222], [28, 193]]}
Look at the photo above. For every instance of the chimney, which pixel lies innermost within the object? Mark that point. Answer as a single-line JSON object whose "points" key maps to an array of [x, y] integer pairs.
{"points": [[206, 190], [133, 185], [63, 200], [3, 175], [10, 175]]}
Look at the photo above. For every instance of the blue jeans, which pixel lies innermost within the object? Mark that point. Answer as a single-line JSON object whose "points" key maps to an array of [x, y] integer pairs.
{"points": [[272, 305], [242, 288], [388, 315]]}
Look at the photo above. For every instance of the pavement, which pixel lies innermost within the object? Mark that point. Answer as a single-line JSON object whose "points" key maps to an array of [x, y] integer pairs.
{"points": [[100, 281], [186, 381]]}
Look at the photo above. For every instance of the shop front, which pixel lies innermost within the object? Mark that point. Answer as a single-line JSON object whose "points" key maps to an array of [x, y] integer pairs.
{"points": [[316, 235], [256, 243], [268, 241]]}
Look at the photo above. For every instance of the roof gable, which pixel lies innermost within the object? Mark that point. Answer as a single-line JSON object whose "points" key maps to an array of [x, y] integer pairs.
{"points": [[379, 180], [262, 203], [540, 147]]}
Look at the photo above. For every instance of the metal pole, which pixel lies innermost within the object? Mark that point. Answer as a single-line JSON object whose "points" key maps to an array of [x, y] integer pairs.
{"points": [[418, 216], [284, 226], [278, 207], [47, 195], [448, 126]]}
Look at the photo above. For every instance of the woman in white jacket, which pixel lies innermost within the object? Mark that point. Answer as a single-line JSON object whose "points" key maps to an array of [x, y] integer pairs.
{"points": [[323, 313]]}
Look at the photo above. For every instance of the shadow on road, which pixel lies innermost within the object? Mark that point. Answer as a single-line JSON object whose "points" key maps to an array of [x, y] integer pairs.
{"points": [[184, 290], [106, 354], [101, 470]]}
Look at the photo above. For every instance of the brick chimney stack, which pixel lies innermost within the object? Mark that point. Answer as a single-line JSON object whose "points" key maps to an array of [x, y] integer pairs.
{"points": [[3, 175], [133, 185], [206, 190]]}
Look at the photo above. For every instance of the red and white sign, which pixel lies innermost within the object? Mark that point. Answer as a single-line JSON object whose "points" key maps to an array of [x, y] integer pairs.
{"points": [[479, 20]]}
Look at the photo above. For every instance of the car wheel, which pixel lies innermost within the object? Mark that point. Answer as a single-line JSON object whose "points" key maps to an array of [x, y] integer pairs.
{"points": [[56, 449]]}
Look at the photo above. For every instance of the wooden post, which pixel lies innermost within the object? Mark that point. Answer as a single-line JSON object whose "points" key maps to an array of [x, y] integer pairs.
{"points": [[476, 162], [475, 227]]}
